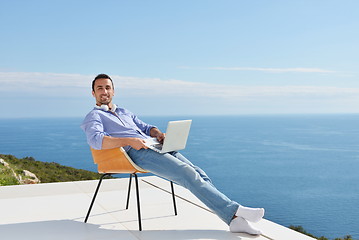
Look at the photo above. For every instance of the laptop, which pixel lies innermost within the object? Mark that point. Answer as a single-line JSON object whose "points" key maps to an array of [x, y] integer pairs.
{"points": [[176, 137]]}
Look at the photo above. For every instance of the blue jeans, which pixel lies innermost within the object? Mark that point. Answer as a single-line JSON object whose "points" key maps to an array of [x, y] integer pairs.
{"points": [[175, 167]]}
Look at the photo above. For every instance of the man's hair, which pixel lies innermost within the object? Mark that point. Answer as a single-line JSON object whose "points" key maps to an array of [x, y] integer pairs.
{"points": [[102, 75]]}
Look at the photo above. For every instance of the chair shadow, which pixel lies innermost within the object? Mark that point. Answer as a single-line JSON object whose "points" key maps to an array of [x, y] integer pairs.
{"points": [[56, 230], [75, 230], [191, 235]]}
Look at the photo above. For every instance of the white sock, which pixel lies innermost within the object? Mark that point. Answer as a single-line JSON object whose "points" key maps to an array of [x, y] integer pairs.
{"points": [[239, 224], [250, 214]]}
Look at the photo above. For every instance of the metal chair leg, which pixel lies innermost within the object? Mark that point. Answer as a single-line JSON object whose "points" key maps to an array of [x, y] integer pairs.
{"points": [[94, 197], [129, 191], [138, 203], [128, 197], [174, 198]]}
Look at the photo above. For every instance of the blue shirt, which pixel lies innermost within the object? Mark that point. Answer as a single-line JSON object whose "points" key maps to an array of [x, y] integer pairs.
{"points": [[122, 123]]}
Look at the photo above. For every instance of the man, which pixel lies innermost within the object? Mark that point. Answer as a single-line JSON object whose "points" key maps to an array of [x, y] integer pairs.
{"points": [[108, 126]]}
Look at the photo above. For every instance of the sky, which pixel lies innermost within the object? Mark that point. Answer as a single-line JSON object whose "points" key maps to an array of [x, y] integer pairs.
{"points": [[198, 57]]}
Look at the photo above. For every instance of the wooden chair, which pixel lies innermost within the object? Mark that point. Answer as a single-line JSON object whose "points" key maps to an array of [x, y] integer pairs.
{"points": [[115, 161]]}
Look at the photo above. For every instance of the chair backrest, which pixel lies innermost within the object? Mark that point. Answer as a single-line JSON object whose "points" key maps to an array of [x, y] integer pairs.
{"points": [[114, 160]]}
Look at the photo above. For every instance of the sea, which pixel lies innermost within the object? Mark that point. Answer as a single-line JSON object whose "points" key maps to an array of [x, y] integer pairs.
{"points": [[303, 169]]}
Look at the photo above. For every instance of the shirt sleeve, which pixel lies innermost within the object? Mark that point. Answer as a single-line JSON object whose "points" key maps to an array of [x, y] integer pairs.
{"points": [[146, 128], [93, 128]]}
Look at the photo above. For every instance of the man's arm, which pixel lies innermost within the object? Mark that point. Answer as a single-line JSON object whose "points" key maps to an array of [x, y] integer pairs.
{"points": [[109, 142]]}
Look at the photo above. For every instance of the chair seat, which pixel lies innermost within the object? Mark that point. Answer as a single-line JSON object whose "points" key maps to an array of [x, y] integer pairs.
{"points": [[114, 161]]}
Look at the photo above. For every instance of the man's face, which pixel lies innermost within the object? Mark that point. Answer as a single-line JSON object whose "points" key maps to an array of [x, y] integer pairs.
{"points": [[103, 91]]}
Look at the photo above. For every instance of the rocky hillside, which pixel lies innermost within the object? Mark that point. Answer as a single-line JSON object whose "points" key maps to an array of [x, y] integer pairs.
{"points": [[14, 171], [11, 176]]}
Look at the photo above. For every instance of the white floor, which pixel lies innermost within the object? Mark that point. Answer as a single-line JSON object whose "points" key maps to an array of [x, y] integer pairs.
{"points": [[56, 211]]}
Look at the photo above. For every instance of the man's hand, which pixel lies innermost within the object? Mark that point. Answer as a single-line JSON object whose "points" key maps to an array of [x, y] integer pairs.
{"points": [[160, 136], [137, 143]]}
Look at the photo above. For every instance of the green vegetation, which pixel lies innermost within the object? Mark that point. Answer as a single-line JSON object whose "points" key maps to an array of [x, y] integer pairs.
{"points": [[46, 172], [6, 177], [301, 230]]}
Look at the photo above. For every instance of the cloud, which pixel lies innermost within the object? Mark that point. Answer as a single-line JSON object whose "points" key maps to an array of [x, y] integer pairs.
{"points": [[35, 82], [156, 86], [270, 70], [58, 84], [56, 91]]}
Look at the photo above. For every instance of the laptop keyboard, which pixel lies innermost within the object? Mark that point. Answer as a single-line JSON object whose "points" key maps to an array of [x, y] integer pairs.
{"points": [[157, 146]]}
